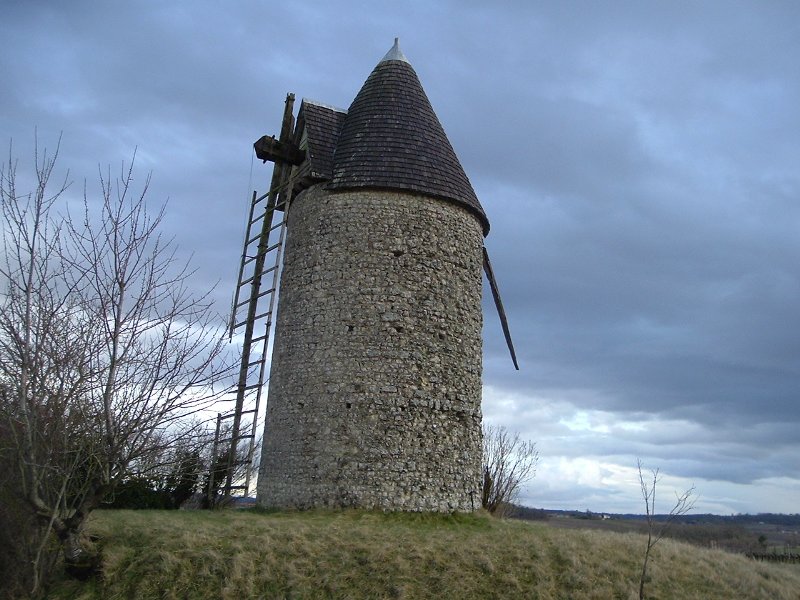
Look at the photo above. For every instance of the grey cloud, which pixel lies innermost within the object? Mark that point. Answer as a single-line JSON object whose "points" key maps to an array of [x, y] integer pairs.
{"points": [[637, 163]]}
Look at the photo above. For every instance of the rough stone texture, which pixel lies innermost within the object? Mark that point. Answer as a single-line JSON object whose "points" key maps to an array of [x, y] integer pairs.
{"points": [[375, 387]]}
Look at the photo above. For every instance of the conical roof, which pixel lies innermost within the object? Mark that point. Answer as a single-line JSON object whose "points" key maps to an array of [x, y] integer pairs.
{"points": [[392, 139]]}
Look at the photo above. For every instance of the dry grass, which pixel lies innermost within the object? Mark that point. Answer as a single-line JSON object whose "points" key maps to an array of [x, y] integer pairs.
{"points": [[354, 554]]}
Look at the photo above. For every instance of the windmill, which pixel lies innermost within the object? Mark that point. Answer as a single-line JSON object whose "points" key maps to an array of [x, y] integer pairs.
{"points": [[375, 382]]}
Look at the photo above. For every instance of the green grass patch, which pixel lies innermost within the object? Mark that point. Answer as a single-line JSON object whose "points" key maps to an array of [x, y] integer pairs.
{"points": [[361, 554]]}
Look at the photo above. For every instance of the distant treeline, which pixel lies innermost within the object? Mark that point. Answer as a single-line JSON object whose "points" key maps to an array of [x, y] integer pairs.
{"points": [[791, 520], [788, 520], [774, 557]]}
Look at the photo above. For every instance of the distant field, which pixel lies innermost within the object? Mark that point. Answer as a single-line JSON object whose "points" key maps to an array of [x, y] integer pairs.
{"points": [[357, 554], [744, 538]]}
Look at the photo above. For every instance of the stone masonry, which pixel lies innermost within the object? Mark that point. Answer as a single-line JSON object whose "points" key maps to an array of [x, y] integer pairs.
{"points": [[375, 385]]}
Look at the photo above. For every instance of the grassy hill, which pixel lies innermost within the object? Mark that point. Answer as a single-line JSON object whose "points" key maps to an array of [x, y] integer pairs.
{"points": [[355, 554]]}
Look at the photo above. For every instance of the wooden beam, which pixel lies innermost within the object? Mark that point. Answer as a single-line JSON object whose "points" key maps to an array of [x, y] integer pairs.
{"points": [[268, 148], [487, 267]]}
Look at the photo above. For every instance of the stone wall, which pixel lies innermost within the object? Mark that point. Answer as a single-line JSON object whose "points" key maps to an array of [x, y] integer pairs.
{"points": [[375, 387]]}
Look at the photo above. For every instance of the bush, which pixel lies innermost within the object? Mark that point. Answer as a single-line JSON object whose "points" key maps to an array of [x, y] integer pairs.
{"points": [[168, 491], [23, 540]]}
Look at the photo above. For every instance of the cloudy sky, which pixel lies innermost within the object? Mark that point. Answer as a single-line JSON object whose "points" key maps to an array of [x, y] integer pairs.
{"points": [[639, 163]]}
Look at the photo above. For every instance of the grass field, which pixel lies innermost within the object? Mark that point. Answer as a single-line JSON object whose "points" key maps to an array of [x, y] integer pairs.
{"points": [[356, 554]]}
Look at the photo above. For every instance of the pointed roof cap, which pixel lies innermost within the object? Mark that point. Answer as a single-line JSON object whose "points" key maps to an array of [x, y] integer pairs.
{"points": [[392, 139], [395, 53]]}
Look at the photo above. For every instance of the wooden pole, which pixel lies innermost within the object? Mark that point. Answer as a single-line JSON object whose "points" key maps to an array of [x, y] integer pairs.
{"points": [[487, 267]]}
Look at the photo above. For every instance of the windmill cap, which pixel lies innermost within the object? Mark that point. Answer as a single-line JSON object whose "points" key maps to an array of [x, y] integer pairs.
{"points": [[392, 139]]}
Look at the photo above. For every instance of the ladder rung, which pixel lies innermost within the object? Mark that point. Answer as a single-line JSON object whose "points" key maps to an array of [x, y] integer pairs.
{"points": [[262, 315], [256, 362], [250, 279], [258, 236], [239, 437], [247, 260], [244, 283], [251, 257], [258, 249], [233, 487], [258, 339], [260, 295], [269, 291], [255, 318], [233, 414], [258, 218]]}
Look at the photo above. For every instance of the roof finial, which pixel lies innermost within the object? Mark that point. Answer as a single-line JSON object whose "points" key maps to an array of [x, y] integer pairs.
{"points": [[395, 53]]}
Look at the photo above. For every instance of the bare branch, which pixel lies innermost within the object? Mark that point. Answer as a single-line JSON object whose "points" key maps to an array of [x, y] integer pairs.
{"points": [[656, 528], [508, 462], [104, 349]]}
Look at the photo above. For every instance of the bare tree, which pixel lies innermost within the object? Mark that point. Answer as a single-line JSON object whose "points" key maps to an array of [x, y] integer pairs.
{"points": [[41, 331], [508, 462], [104, 350], [657, 527]]}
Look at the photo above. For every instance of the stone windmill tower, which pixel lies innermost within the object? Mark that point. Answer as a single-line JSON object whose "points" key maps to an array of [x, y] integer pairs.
{"points": [[375, 382]]}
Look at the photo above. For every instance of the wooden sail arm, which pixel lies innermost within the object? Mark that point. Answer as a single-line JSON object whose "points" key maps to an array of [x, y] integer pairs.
{"points": [[487, 268]]}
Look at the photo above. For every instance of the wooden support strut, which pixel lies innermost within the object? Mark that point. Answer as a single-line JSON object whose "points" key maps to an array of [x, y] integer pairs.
{"points": [[487, 267]]}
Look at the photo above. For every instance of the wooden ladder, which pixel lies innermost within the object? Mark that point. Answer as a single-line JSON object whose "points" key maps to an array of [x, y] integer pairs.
{"points": [[261, 258]]}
